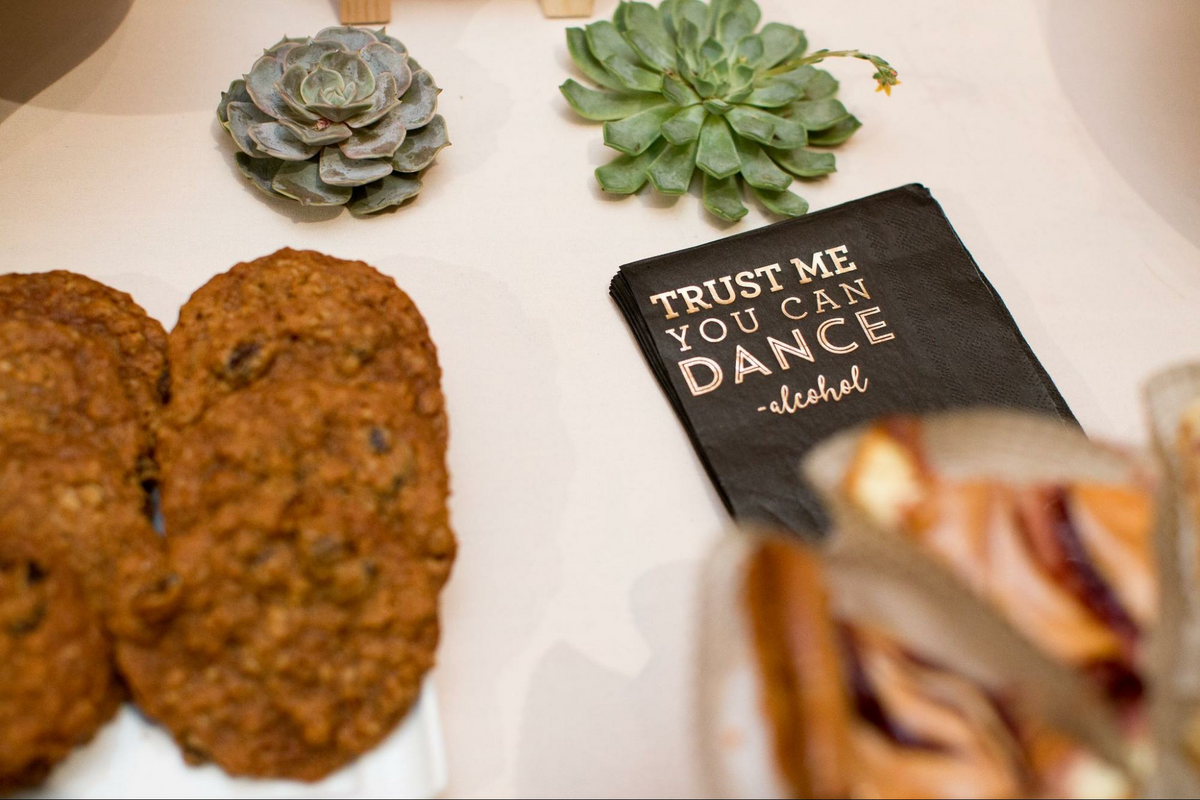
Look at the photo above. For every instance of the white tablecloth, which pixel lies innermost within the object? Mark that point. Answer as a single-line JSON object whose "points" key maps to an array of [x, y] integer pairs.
{"points": [[581, 509]]}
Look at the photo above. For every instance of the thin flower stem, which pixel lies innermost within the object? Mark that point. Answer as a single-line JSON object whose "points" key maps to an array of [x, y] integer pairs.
{"points": [[884, 75]]}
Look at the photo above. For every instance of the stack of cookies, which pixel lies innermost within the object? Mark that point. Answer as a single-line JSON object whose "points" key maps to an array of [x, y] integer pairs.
{"points": [[303, 487], [82, 369]]}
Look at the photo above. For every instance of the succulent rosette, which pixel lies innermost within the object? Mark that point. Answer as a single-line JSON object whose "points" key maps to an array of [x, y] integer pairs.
{"points": [[693, 87], [342, 118]]}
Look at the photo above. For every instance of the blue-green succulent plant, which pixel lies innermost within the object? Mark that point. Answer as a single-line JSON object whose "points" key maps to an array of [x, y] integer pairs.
{"points": [[342, 118], [692, 87]]}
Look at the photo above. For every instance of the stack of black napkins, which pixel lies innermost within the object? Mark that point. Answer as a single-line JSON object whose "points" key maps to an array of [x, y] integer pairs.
{"points": [[769, 341]]}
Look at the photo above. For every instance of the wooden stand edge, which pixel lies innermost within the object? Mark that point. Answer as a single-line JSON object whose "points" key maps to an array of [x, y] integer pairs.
{"points": [[567, 8], [364, 12]]}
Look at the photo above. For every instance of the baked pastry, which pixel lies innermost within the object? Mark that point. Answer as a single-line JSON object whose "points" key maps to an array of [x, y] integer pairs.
{"points": [[70, 497], [1069, 564], [57, 686], [256, 451], [56, 381], [858, 710], [136, 341], [303, 636], [299, 315], [304, 488]]}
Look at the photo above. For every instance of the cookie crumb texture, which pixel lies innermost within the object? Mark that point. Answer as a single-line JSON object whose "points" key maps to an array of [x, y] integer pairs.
{"points": [[57, 686], [137, 341]]}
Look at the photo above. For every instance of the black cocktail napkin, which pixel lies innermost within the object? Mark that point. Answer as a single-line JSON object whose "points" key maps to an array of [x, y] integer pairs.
{"points": [[769, 341]]}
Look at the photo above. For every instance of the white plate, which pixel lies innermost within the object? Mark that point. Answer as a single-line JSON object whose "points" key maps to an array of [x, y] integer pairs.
{"points": [[133, 758]]}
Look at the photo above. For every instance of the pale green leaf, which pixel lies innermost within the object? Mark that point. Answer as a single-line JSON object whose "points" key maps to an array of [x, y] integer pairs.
{"points": [[685, 125], [633, 135], [785, 204], [818, 115], [626, 174], [779, 43], [835, 134], [645, 33], [754, 123], [804, 163], [678, 92], [260, 171], [722, 197], [671, 172], [602, 106], [392, 190], [587, 63], [633, 77], [420, 148], [774, 92], [419, 103], [758, 169], [301, 180], [337, 170], [277, 141], [717, 155], [739, 19], [822, 86]]}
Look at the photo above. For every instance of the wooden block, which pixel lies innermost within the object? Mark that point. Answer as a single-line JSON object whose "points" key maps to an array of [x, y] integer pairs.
{"points": [[567, 8], [363, 12]]}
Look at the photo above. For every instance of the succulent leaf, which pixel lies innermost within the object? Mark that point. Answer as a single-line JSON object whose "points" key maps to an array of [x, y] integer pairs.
{"points": [[626, 174], [322, 132], [390, 41], [632, 77], [309, 55], [835, 134], [633, 135], [384, 59], [775, 92], [722, 197], [818, 114], [350, 38], [753, 123], [384, 100], [275, 140], [685, 125], [600, 106], [236, 94], [696, 85], [242, 116], [785, 204], [263, 84], [357, 77], [420, 148], [320, 85], [323, 121], [301, 181], [260, 171], [338, 170], [671, 172], [758, 170], [390, 191], [380, 140], [419, 103], [679, 92], [821, 86], [717, 155], [587, 63], [805, 163], [780, 42], [788, 133], [644, 31]]}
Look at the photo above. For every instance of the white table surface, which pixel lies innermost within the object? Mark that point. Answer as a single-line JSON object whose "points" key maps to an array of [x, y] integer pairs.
{"points": [[581, 509]]}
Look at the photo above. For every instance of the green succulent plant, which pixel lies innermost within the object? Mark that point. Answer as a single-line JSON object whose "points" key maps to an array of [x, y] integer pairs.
{"points": [[691, 86], [342, 118]]}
